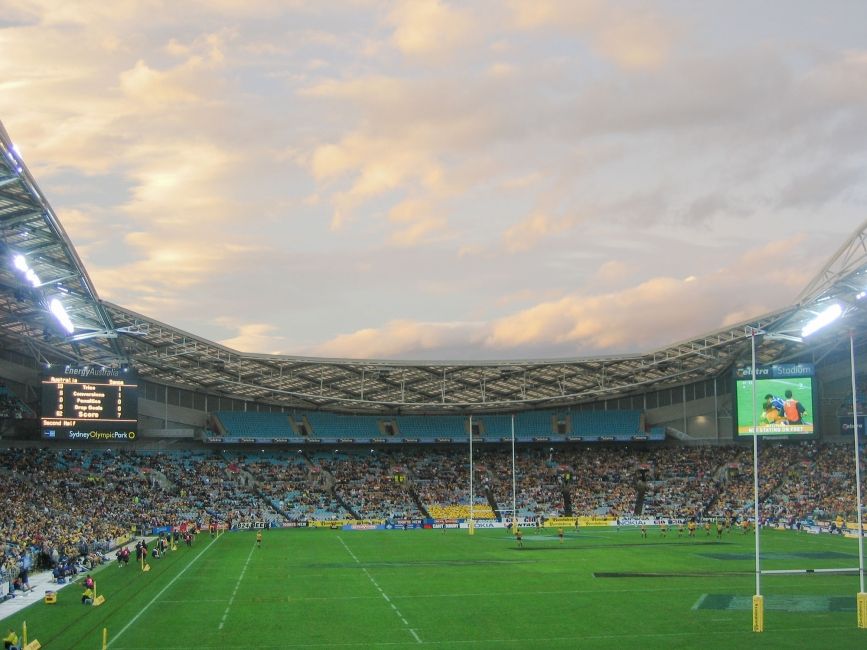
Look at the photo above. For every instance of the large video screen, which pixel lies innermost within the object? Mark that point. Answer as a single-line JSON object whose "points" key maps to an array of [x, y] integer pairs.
{"points": [[784, 400], [84, 403]]}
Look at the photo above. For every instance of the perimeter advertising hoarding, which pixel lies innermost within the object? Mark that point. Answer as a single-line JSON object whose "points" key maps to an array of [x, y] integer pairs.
{"points": [[785, 400], [847, 425]]}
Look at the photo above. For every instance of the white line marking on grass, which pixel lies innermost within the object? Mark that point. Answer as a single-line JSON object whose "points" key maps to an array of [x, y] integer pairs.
{"points": [[379, 589], [349, 550], [699, 601], [161, 592], [197, 600], [531, 642], [234, 593]]}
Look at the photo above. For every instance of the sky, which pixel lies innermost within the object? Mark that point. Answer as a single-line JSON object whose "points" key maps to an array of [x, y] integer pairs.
{"points": [[433, 180]]}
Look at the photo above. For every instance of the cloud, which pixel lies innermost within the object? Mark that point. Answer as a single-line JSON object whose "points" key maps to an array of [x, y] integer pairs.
{"points": [[635, 318], [154, 87], [255, 337], [615, 272], [820, 185], [527, 233], [358, 175], [430, 28], [418, 222], [180, 182], [374, 166], [651, 313], [633, 38], [416, 139], [397, 338]]}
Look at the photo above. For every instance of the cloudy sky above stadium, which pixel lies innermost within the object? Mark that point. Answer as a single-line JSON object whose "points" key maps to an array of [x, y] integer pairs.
{"points": [[438, 180]]}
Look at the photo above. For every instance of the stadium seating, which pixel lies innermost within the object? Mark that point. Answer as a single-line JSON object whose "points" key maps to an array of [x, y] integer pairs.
{"points": [[528, 426], [157, 488]]}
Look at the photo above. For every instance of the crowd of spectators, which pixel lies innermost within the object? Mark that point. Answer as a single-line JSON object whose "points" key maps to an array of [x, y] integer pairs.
{"points": [[11, 406], [65, 506], [845, 408]]}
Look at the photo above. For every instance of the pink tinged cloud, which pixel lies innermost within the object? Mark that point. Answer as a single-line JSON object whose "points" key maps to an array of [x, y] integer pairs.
{"points": [[417, 222], [632, 38], [398, 337], [529, 232], [655, 312], [429, 29], [256, 337]]}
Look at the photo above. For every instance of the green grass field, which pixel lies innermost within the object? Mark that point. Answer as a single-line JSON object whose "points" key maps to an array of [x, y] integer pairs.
{"points": [[318, 588]]}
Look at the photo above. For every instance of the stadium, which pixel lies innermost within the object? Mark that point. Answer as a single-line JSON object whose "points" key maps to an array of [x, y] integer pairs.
{"points": [[308, 502], [432, 323]]}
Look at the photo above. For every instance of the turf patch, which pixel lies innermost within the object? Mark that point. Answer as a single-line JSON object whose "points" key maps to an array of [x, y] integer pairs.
{"points": [[414, 563], [670, 574], [594, 547], [729, 602], [806, 555]]}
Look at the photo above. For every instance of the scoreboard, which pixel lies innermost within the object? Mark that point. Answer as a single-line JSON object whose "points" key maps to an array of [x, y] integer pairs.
{"points": [[89, 404]]}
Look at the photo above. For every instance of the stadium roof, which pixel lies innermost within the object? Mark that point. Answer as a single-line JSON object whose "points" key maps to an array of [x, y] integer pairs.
{"points": [[110, 335]]}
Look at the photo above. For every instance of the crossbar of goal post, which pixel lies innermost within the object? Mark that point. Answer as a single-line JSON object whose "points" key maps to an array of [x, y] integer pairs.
{"points": [[792, 571]]}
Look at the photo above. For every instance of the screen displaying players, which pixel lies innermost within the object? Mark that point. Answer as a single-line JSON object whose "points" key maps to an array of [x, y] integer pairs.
{"points": [[784, 400]]}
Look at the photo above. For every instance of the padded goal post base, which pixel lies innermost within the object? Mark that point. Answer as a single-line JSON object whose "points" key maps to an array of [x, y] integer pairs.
{"points": [[758, 613], [861, 606]]}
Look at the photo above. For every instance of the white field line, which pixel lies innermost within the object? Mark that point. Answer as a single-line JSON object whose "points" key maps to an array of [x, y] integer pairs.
{"points": [[237, 584], [161, 592], [382, 593], [531, 642], [484, 594]]}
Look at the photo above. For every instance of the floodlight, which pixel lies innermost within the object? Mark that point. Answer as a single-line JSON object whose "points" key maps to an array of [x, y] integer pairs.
{"points": [[825, 317], [31, 276], [20, 263], [784, 337], [60, 314]]}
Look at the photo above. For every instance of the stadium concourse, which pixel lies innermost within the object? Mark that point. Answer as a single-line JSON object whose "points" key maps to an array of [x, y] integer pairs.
{"points": [[74, 506]]}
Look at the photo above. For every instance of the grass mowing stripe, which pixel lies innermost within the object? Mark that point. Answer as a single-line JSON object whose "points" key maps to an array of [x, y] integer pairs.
{"points": [[65, 631], [461, 592], [479, 594], [237, 584], [160, 593], [525, 642], [384, 595]]}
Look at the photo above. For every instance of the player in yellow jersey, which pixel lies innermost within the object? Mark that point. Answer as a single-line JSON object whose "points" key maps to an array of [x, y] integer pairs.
{"points": [[560, 534], [259, 539], [519, 537], [10, 640], [691, 527]]}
